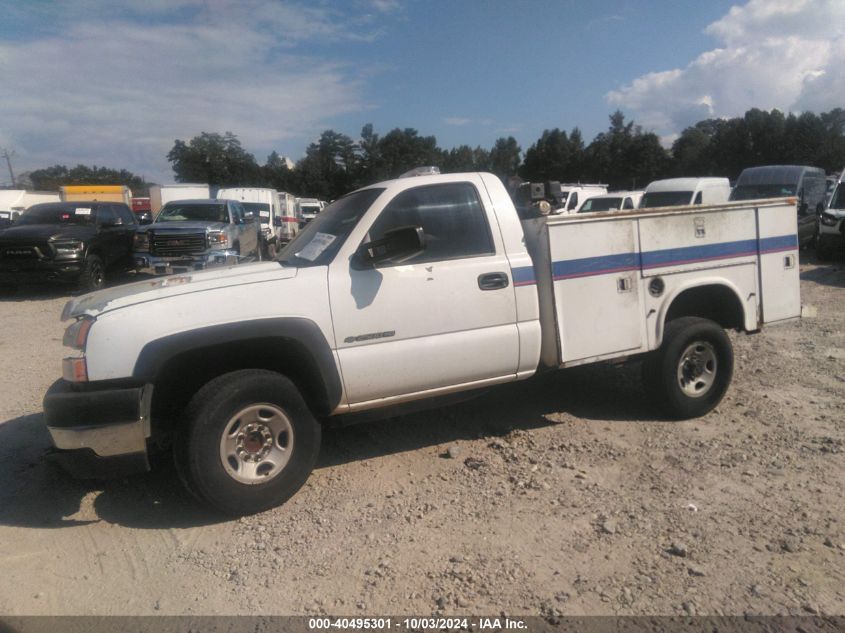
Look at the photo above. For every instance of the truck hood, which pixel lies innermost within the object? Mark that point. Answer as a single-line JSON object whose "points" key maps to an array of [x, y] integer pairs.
{"points": [[96, 303], [39, 232], [188, 226]]}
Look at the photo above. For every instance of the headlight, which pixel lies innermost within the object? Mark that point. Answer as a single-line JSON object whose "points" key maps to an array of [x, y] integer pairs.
{"points": [[76, 335], [69, 248], [828, 220], [218, 239], [141, 242]]}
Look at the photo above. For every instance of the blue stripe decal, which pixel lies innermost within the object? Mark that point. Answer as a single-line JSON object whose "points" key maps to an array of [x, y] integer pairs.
{"points": [[523, 276], [691, 254], [781, 243], [607, 264], [588, 266]]}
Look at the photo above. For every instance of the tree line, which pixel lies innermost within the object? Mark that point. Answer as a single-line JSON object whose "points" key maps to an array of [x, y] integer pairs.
{"points": [[623, 157]]}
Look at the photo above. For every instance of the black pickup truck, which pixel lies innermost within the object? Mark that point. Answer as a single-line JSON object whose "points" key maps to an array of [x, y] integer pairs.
{"points": [[76, 242]]}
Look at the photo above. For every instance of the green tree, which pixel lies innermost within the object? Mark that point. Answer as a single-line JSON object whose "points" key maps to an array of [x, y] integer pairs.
{"points": [[51, 178], [216, 159], [401, 150], [505, 158]]}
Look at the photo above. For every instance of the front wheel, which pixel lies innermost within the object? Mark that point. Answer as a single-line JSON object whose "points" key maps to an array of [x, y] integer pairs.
{"points": [[248, 443], [93, 274], [691, 370]]}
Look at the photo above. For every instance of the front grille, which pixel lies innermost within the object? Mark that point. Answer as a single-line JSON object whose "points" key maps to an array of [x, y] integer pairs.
{"points": [[175, 245], [24, 252]]}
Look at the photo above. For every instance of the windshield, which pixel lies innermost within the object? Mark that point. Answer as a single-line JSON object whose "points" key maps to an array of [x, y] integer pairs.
{"points": [[322, 238], [261, 210], [179, 212], [60, 213], [838, 199], [755, 192], [601, 204], [665, 199], [310, 208]]}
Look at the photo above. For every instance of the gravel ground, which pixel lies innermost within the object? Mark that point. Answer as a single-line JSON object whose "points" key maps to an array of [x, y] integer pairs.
{"points": [[560, 495]]}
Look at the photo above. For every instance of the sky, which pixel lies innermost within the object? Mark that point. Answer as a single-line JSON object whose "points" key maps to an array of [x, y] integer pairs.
{"points": [[114, 84]]}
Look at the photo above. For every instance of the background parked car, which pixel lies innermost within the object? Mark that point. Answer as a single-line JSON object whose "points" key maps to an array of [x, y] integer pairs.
{"points": [[807, 184], [612, 202], [194, 234], [76, 242], [830, 232]]}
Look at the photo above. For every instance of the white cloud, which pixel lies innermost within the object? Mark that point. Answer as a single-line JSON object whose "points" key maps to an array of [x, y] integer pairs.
{"points": [[784, 54], [118, 92], [456, 120]]}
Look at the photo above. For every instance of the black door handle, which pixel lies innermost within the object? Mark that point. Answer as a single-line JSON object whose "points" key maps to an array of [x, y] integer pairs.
{"points": [[493, 281]]}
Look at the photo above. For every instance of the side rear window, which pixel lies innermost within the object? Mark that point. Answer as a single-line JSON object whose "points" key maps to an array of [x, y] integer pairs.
{"points": [[105, 214], [451, 216], [125, 214], [697, 198], [573, 201], [628, 204]]}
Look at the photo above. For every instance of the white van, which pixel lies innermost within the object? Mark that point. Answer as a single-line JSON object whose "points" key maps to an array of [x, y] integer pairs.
{"points": [[674, 192], [308, 208], [572, 195], [266, 207], [614, 201]]}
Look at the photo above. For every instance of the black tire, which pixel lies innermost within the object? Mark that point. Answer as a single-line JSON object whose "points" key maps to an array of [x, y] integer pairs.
{"points": [[691, 370], [824, 252], [93, 275], [199, 443]]}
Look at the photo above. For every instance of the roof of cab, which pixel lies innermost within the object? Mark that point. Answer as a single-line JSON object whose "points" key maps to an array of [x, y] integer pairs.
{"points": [[775, 174]]}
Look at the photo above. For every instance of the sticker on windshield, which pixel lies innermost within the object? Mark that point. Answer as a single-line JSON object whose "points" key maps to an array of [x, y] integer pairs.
{"points": [[82, 211], [316, 246], [4, 214], [264, 214]]}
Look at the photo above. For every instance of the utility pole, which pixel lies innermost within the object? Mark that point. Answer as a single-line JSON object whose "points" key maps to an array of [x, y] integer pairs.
{"points": [[8, 156]]}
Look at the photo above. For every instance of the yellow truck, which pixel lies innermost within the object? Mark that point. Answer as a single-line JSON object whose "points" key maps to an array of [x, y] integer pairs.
{"points": [[103, 193]]}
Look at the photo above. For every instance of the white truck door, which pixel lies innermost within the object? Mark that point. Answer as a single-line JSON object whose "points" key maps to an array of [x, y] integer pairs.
{"points": [[597, 287], [780, 287], [444, 318]]}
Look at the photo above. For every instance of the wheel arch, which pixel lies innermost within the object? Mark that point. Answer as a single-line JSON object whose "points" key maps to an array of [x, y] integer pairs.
{"points": [[178, 365], [718, 300]]}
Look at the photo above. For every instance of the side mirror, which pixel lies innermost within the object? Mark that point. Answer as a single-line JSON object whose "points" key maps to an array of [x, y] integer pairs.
{"points": [[249, 217], [277, 221], [144, 218], [802, 208], [396, 246]]}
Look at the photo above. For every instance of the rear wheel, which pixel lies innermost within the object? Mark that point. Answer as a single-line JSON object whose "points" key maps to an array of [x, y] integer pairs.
{"points": [[93, 274], [823, 249], [691, 371], [248, 443]]}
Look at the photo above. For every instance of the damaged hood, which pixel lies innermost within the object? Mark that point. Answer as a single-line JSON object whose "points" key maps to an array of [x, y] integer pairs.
{"points": [[152, 289]]}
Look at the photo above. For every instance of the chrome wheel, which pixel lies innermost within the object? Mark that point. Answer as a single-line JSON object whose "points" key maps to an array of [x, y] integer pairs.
{"points": [[697, 369], [256, 444]]}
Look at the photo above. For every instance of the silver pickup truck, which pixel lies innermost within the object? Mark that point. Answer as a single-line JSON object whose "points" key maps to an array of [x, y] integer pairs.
{"points": [[195, 234]]}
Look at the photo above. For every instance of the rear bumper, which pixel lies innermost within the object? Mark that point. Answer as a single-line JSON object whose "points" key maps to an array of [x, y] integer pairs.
{"points": [[154, 265], [99, 432]]}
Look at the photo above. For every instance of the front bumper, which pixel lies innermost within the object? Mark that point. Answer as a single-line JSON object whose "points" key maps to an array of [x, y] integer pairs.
{"points": [[62, 270], [146, 263], [99, 431]]}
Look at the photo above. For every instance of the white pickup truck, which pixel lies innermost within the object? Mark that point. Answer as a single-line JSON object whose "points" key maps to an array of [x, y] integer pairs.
{"points": [[409, 290]]}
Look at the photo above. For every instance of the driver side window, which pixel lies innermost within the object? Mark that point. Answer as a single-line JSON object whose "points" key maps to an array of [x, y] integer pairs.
{"points": [[451, 216]]}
